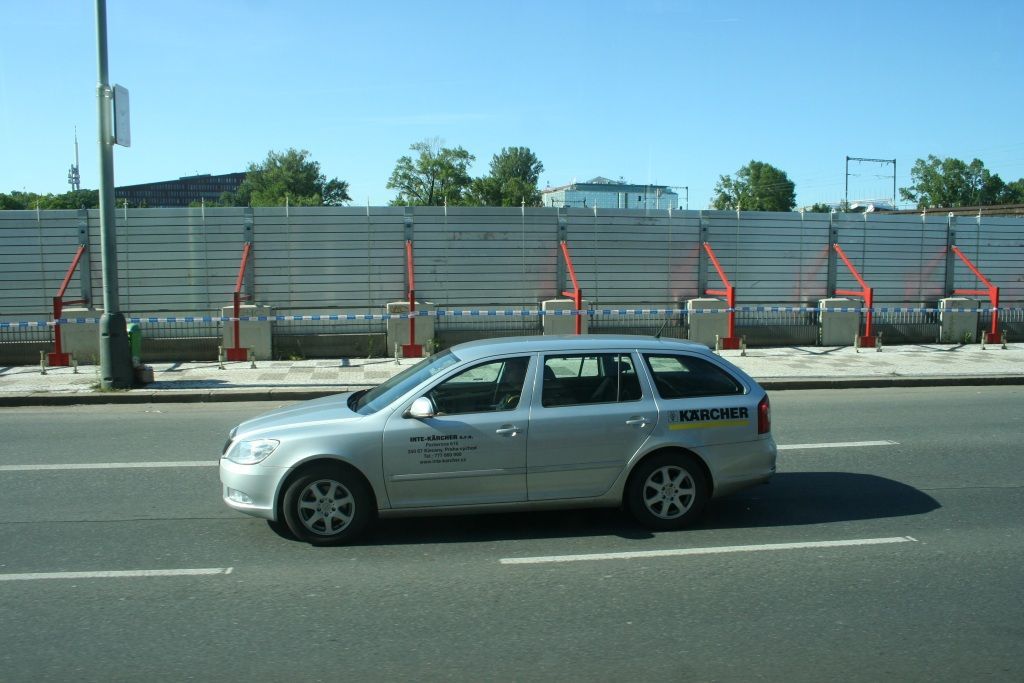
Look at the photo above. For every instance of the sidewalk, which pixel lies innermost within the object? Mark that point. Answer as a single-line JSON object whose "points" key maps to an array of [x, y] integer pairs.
{"points": [[778, 368]]}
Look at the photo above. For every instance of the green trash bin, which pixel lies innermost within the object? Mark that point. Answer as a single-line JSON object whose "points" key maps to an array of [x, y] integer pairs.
{"points": [[135, 343]]}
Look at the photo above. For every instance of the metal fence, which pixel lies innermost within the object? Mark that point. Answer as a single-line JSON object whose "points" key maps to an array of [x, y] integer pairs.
{"points": [[175, 262]]}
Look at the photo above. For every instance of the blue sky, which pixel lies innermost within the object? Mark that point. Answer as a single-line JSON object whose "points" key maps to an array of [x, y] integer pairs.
{"points": [[654, 91]]}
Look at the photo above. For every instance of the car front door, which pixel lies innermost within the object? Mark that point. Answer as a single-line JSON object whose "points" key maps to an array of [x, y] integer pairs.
{"points": [[473, 450]]}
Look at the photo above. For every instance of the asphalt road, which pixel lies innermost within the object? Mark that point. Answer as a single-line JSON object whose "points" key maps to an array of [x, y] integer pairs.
{"points": [[934, 592]]}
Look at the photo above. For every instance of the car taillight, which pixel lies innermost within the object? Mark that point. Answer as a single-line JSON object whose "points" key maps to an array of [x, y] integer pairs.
{"points": [[764, 416]]}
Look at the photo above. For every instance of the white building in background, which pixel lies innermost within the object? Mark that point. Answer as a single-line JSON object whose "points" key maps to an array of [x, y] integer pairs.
{"points": [[870, 205], [609, 194], [859, 206]]}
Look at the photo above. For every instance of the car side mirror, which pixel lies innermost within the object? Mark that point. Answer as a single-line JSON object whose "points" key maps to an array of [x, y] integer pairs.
{"points": [[421, 408]]}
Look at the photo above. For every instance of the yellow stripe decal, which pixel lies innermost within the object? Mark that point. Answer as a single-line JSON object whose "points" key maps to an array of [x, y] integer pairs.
{"points": [[706, 425]]}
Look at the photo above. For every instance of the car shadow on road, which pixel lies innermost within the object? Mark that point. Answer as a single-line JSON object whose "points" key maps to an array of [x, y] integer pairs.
{"points": [[791, 499], [801, 498]]}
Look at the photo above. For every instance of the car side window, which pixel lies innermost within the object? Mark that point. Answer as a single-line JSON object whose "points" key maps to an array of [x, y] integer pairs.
{"points": [[487, 387], [680, 376], [579, 379]]}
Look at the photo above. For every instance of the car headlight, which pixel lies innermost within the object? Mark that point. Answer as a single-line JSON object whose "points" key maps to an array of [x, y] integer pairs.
{"points": [[227, 444], [252, 452]]}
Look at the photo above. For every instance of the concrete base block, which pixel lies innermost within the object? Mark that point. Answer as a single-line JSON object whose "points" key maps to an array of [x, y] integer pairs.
{"points": [[839, 329], [705, 327], [398, 328], [958, 327], [563, 324], [82, 340], [254, 334]]}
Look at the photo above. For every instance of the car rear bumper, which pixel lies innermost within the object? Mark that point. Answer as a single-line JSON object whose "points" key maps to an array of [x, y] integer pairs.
{"points": [[745, 465]]}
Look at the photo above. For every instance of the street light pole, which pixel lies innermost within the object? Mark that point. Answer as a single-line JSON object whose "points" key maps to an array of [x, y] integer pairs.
{"points": [[115, 354]]}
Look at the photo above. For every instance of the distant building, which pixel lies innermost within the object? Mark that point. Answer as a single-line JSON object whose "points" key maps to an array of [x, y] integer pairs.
{"points": [[870, 206], [609, 194], [180, 192], [858, 206]]}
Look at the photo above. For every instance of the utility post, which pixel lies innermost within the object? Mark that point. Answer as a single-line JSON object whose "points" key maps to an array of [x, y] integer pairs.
{"points": [[116, 370]]}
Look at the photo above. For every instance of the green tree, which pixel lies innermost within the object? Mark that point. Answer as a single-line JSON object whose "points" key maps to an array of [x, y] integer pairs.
{"points": [[80, 199], [951, 183], [515, 173], [76, 199], [818, 207], [757, 187], [1014, 192], [11, 202], [287, 177], [437, 174]]}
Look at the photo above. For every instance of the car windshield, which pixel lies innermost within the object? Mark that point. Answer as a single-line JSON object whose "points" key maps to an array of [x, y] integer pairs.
{"points": [[384, 394]]}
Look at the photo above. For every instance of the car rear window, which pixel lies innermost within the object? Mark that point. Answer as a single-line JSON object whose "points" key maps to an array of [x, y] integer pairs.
{"points": [[578, 379], [681, 376]]}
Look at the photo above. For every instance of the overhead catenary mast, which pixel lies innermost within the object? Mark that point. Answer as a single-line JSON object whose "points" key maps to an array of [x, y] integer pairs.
{"points": [[74, 178]]}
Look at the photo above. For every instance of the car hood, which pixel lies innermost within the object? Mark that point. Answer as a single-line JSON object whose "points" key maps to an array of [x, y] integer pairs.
{"points": [[327, 409]]}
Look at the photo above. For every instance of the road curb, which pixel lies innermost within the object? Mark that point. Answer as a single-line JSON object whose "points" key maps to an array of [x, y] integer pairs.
{"points": [[139, 396], [801, 383]]}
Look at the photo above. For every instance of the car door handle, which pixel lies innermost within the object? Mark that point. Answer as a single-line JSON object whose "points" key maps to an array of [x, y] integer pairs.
{"points": [[641, 421], [507, 430]]}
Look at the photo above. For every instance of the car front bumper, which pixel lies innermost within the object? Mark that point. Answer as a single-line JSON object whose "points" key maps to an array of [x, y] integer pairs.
{"points": [[251, 489]]}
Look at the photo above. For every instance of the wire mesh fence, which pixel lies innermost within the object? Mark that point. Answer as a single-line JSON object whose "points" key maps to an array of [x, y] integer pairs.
{"points": [[326, 326], [24, 334], [192, 340], [454, 329], [915, 327], [1010, 321], [667, 325], [766, 328]]}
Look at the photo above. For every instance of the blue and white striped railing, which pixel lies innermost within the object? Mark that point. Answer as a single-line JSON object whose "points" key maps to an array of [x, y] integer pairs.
{"points": [[496, 313]]}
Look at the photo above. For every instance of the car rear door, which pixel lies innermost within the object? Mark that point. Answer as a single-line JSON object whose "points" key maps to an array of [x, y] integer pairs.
{"points": [[592, 415]]}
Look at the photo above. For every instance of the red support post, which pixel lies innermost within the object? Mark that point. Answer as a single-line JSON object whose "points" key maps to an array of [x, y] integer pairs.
{"points": [[866, 293], [731, 341], [412, 349], [576, 294], [58, 358], [992, 291], [236, 352]]}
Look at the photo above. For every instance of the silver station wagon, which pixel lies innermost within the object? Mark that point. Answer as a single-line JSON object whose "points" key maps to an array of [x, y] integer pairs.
{"points": [[657, 426]]}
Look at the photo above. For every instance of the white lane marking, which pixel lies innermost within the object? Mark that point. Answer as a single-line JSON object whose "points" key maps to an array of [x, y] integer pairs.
{"points": [[132, 573], [631, 555], [838, 444], [109, 465]]}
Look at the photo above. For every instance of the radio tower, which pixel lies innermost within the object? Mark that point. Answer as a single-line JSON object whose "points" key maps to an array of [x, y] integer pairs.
{"points": [[74, 179]]}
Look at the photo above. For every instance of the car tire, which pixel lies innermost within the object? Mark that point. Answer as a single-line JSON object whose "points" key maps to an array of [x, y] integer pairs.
{"points": [[328, 506], [667, 491], [280, 527]]}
